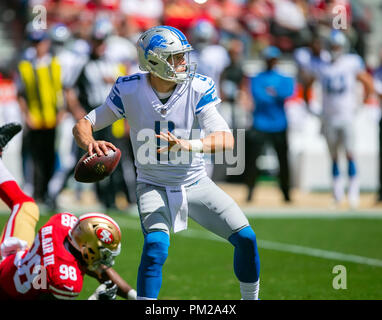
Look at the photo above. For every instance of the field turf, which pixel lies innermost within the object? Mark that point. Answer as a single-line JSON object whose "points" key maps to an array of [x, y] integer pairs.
{"points": [[297, 255]]}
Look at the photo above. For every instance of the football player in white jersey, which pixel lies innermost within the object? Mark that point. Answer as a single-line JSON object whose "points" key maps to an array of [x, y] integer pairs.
{"points": [[338, 79], [163, 106]]}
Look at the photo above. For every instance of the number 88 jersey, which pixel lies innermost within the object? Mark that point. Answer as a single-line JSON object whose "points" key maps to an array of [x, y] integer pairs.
{"points": [[47, 267]]}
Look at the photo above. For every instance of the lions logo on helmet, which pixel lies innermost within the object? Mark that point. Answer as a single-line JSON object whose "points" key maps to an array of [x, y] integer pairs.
{"points": [[156, 41], [156, 48], [98, 238]]}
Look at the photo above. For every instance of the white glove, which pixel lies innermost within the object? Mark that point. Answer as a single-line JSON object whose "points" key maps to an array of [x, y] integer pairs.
{"points": [[132, 295], [11, 245], [105, 291]]}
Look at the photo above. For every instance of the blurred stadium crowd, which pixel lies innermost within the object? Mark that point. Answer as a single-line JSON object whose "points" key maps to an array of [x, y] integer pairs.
{"points": [[287, 23], [94, 43]]}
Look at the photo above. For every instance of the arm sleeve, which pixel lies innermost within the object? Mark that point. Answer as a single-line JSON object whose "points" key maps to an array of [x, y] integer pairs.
{"points": [[101, 117], [114, 101], [61, 293], [286, 88], [211, 121], [208, 99]]}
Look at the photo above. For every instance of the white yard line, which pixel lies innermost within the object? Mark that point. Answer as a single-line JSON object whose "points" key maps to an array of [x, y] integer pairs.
{"points": [[318, 253], [310, 213], [273, 245]]}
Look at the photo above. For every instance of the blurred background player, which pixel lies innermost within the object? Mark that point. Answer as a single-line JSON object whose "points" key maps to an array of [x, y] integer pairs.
{"points": [[41, 99], [338, 79], [52, 264], [269, 89], [232, 84], [210, 58], [90, 89], [236, 102], [71, 65], [119, 48]]}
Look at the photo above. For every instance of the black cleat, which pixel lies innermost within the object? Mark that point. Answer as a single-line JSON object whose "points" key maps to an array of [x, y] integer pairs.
{"points": [[7, 132]]}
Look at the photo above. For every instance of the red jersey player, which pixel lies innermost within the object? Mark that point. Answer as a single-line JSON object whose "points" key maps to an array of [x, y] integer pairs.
{"points": [[53, 263]]}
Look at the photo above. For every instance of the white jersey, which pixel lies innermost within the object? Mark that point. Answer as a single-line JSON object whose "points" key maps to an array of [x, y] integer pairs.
{"points": [[133, 97], [338, 80]]}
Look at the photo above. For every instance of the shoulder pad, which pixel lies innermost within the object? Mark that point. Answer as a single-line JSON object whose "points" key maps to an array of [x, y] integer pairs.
{"points": [[355, 59], [201, 83], [128, 83]]}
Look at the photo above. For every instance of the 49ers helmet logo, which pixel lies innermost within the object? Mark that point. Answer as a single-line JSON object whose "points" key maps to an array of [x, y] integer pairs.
{"points": [[104, 235]]}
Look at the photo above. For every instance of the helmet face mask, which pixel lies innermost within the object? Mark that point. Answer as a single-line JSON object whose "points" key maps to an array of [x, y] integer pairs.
{"points": [[98, 238], [182, 71], [158, 49]]}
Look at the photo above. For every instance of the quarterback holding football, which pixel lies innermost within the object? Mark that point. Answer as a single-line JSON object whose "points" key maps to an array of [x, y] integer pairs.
{"points": [[165, 105]]}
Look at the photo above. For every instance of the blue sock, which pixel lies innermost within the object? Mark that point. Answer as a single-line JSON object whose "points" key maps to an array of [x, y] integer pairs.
{"points": [[352, 169], [155, 251], [246, 256], [335, 169]]}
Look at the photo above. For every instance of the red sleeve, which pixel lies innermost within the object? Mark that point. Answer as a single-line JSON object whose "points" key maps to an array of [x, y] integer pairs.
{"points": [[63, 292], [65, 281]]}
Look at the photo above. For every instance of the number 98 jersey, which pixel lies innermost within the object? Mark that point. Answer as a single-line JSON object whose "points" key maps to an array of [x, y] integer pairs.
{"points": [[47, 267]]}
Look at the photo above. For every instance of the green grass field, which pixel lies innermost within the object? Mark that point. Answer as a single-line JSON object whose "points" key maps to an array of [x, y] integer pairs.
{"points": [[199, 265]]}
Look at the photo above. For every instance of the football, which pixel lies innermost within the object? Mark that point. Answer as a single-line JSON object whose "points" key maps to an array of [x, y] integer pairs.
{"points": [[95, 168]]}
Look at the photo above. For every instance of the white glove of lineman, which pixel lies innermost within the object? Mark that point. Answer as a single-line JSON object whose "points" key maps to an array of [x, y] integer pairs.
{"points": [[105, 291], [11, 245], [108, 291]]}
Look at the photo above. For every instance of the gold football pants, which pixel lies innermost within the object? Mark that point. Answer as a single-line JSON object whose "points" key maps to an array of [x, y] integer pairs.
{"points": [[22, 222]]}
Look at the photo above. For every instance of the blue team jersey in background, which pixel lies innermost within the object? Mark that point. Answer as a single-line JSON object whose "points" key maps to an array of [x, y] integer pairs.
{"points": [[269, 114]]}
